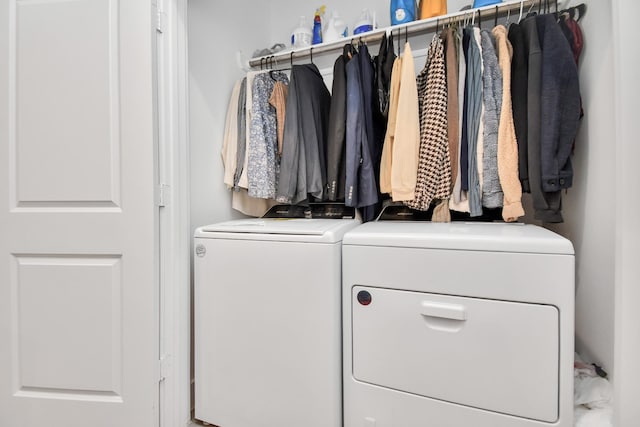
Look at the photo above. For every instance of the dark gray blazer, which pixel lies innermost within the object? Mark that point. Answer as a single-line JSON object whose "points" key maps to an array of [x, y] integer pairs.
{"points": [[337, 128], [560, 105], [547, 206], [303, 161]]}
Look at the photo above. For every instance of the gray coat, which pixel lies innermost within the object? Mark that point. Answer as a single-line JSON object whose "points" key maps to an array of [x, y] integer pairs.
{"points": [[303, 161], [546, 206], [492, 196], [560, 105]]}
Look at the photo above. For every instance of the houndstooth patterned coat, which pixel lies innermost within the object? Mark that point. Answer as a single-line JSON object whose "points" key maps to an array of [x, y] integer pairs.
{"points": [[434, 166]]}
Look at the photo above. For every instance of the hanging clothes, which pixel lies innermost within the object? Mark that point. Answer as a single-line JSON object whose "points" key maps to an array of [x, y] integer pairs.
{"points": [[375, 130], [230, 139], [576, 41], [434, 167], [449, 41], [474, 120], [263, 161], [243, 181], [500, 107], [560, 113], [560, 106], [242, 133], [467, 34], [387, 149], [459, 199], [383, 69], [303, 162], [360, 188], [401, 146], [240, 197], [251, 206], [336, 135], [573, 33], [546, 207], [480, 143], [278, 100], [492, 99], [507, 144], [519, 79]]}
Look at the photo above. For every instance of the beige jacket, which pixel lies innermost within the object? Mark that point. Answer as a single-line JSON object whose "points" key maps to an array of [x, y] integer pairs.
{"points": [[399, 165], [230, 139], [507, 143]]}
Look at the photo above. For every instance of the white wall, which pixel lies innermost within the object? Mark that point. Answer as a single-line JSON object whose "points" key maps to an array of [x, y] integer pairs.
{"points": [[217, 30], [589, 207], [627, 330]]}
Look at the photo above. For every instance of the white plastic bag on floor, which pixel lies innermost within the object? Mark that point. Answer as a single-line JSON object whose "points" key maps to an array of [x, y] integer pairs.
{"points": [[592, 392], [592, 397], [599, 417]]}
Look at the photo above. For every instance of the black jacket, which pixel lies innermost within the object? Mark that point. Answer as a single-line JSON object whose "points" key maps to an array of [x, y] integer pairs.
{"points": [[519, 76], [360, 189], [337, 128], [560, 105], [547, 206]]}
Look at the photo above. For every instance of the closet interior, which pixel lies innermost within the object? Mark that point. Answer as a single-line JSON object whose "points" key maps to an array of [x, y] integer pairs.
{"points": [[223, 36]]}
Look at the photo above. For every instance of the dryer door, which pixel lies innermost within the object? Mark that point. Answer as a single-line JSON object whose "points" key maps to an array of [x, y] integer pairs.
{"points": [[495, 355]]}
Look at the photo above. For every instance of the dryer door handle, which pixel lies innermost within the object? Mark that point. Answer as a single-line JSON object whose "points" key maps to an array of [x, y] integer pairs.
{"points": [[444, 310]]}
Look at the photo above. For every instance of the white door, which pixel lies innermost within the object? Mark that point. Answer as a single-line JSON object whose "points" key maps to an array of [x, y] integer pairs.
{"points": [[78, 250]]}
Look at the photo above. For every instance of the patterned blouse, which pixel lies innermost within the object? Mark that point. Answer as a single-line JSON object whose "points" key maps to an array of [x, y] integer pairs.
{"points": [[263, 162]]}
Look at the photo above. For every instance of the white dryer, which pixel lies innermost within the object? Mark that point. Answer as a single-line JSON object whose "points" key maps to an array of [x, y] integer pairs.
{"points": [[457, 325], [268, 322]]}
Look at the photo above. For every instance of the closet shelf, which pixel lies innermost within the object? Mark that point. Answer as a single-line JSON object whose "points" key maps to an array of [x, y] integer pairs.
{"points": [[411, 28]]}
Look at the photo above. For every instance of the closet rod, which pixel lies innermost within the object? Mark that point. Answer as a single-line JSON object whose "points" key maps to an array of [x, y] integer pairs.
{"points": [[414, 27]]}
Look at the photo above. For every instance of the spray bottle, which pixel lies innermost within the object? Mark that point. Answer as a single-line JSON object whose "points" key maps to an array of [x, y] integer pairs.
{"points": [[317, 25]]}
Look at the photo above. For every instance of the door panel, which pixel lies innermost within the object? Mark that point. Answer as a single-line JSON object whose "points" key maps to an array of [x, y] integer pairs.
{"points": [[67, 82], [69, 335], [78, 221]]}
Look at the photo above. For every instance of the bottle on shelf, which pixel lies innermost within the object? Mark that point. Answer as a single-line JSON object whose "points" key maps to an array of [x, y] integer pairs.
{"points": [[334, 29], [317, 26], [365, 23], [431, 8], [402, 11], [301, 36]]}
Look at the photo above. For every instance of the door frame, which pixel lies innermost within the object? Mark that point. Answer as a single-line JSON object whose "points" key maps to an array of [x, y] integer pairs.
{"points": [[173, 197]]}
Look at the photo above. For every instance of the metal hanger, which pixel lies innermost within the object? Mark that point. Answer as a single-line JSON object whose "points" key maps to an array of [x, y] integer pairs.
{"points": [[272, 60], [533, 3], [521, 10]]}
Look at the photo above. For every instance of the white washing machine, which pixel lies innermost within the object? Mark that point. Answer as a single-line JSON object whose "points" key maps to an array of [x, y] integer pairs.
{"points": [[268, 348], [457, 325]]}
